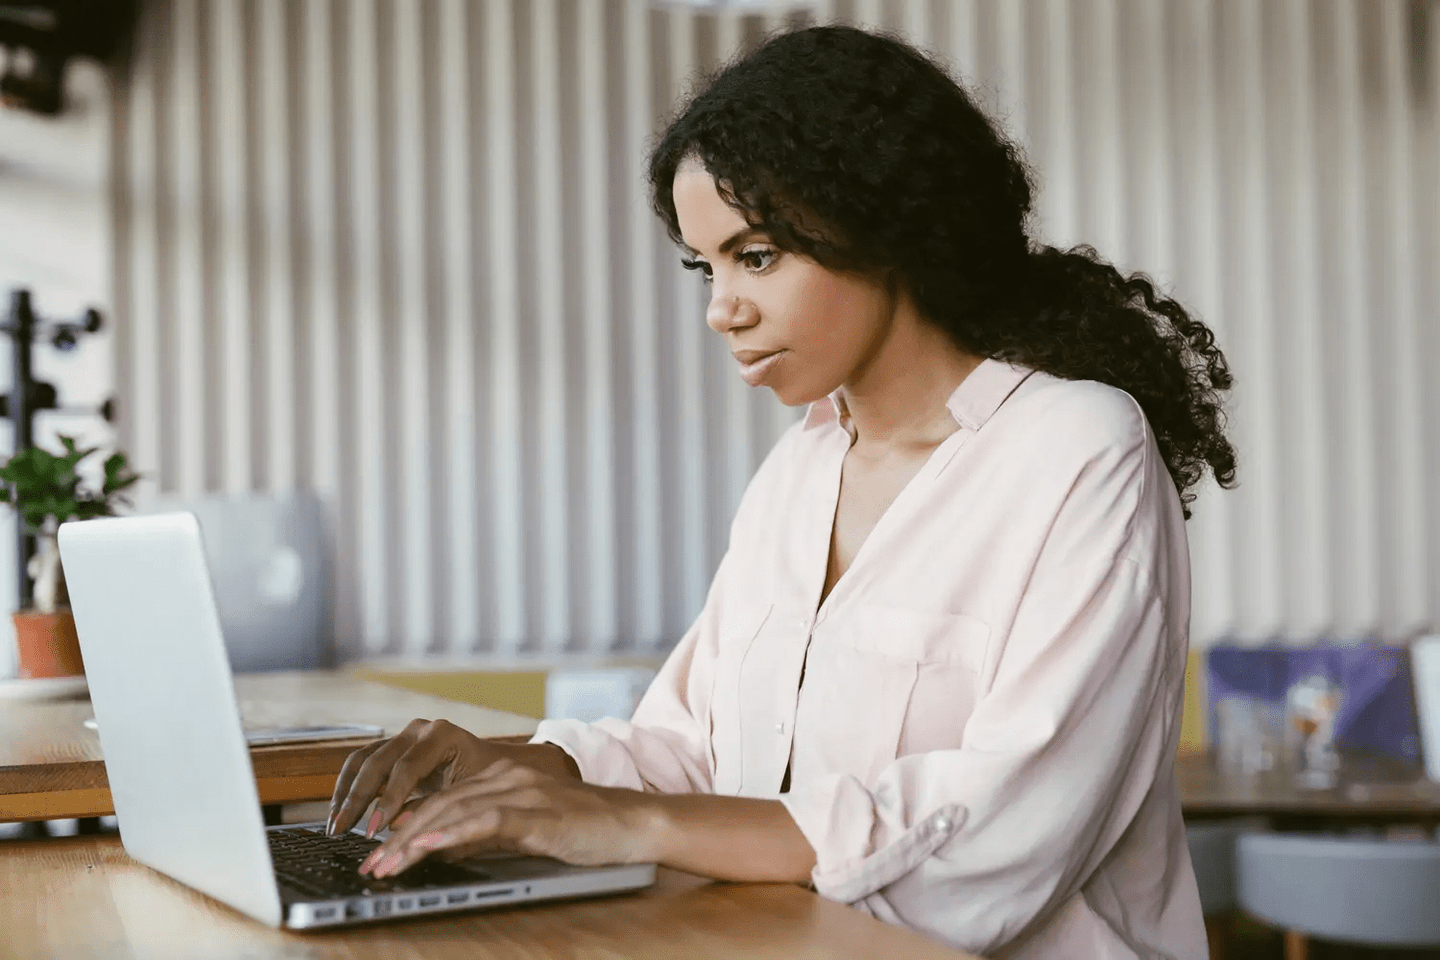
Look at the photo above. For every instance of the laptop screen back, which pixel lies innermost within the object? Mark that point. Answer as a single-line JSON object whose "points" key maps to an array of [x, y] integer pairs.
{"points": [[169, 725]]}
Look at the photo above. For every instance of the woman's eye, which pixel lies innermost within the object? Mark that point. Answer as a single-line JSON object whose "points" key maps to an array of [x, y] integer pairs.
{"points": [[700, 265], [757, 259]]}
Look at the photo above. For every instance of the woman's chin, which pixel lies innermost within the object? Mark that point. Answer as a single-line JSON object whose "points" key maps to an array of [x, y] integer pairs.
{"points": [[792, 398]]}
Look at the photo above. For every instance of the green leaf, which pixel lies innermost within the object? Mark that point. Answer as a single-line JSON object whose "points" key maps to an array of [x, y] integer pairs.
{"points": [[42, 485], [124, 484]]}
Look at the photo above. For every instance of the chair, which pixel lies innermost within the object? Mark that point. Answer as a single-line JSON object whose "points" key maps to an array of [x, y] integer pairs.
{"points": [[1363, 891], [271, 573], [1212, 854]]}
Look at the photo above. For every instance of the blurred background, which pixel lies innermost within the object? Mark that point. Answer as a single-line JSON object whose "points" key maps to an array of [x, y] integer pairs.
{"points": [[397, 254], [384, 303]]}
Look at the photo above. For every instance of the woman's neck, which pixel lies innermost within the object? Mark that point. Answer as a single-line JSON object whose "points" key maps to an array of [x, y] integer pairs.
{"points": [[897, 403]]}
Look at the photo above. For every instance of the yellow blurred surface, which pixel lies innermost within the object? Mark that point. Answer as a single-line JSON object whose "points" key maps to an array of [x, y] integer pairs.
{"points": [[1194, 738], [514, 691]]}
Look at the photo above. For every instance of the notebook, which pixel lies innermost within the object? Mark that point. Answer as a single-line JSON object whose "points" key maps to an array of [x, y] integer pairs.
{"points": [[179, 766]]}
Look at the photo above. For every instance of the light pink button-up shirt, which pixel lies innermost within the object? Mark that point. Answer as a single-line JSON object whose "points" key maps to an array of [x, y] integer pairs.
{"points": [[980, 721]]}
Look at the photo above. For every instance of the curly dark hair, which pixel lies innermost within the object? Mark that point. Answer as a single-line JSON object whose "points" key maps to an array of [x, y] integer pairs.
{"points": [[860, 152]]}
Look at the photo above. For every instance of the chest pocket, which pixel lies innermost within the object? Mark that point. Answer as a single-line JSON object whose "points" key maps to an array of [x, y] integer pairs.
{"points": [[884, 682], [738, 632], [757, 678]]}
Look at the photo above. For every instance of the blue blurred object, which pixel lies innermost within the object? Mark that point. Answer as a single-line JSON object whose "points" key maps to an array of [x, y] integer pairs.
{"points": [[1348, 889], [1377, 701]]}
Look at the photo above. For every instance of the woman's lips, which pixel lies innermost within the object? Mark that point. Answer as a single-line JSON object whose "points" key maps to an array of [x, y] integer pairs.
{"points": [[756, 370]]}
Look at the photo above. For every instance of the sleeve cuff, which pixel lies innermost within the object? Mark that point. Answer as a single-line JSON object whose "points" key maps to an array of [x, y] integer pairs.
{"points": [[602, 759], [859, 847]]}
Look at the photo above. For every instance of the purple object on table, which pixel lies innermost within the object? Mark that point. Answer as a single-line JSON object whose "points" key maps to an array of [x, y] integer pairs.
{"points": [[1377, 698]]}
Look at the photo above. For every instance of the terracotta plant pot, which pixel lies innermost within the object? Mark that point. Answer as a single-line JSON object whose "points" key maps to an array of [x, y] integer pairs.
{"points": [[48, 644]]}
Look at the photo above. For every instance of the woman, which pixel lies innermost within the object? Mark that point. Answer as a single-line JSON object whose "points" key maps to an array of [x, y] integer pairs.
{"points": [[939, 672]]}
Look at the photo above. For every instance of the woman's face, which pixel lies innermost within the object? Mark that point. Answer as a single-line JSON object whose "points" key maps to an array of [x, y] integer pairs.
{"points": [[791, 324]]}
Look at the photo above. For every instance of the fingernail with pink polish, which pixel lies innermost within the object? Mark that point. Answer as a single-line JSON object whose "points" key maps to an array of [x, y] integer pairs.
{"points": [[376, 819]]}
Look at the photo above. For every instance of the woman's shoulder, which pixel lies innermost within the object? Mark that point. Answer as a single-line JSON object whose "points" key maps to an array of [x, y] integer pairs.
{"points": [[1082, 417]]}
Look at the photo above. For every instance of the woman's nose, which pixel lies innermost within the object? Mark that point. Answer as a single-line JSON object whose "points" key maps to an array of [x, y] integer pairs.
{"points": [[723, 311]]}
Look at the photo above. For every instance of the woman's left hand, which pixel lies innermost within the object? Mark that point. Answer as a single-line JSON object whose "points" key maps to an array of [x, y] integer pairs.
{"points": [[513, 807]]}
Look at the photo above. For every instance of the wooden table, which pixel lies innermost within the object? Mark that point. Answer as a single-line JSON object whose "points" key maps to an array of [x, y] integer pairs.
{"points": [[1371, 790], [83, 897], [51, 768]]}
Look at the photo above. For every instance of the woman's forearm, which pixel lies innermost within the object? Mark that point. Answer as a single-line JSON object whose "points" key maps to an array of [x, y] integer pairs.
{"points": [[728, 838]]}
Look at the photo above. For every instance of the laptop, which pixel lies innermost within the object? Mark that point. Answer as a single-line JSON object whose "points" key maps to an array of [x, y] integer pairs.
{"points": [[179, 765]]}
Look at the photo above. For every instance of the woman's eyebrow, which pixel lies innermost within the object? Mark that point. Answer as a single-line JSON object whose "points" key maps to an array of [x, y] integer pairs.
{"points": [[735, 239], [728, 244]]}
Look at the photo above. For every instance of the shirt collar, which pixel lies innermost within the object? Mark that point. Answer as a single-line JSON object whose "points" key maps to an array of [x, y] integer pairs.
{"points": [[973, 402]]}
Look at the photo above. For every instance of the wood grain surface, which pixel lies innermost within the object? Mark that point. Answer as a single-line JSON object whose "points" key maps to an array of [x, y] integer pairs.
{"points": [[51, 765], [83, 897]]}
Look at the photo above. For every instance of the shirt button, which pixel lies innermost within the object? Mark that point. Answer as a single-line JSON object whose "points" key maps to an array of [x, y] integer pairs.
{"points": [[804, 623], [942, 824], [780, 727]]}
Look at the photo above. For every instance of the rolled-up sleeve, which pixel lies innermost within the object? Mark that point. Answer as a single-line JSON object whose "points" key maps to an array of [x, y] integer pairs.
{"points": [[974, 845]]}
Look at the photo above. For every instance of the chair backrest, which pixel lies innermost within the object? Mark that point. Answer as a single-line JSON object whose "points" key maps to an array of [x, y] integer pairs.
{"points": [[270, 566], [1425, 667], [1358, 890]]}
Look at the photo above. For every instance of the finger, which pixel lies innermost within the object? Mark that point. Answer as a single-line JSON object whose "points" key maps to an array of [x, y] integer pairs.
{"points": [[440, 813], [406, 814], [511, 789], [487, 828], [468, 823], [418, 817], [343, 782], [422, 768], [373, 774], [422, 817], [361, 774], [428, 753]]}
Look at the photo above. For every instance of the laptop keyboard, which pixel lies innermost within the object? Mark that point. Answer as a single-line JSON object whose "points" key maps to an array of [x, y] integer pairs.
{"points": [[318, 865]]}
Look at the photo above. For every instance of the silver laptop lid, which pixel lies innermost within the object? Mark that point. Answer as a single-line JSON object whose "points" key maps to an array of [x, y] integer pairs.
{"points": [[169, 724]]}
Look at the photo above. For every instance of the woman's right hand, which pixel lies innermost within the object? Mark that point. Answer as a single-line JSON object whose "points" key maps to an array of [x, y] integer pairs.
{"points": [[427, 756]]}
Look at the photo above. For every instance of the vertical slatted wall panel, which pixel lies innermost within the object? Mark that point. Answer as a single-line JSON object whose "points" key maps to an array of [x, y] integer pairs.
{"points": [[400, 252], [1199, 240], [1294, 267], [1394, 170], [409, 362], [1356, 456], [600, 612], [459, 514], [640, 511], [502, 320]]}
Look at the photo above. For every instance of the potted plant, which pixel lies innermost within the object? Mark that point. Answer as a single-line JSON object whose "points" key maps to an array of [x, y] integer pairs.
{"points": [[47, 490]]}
